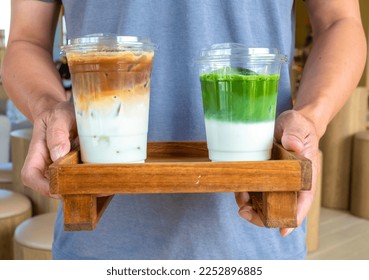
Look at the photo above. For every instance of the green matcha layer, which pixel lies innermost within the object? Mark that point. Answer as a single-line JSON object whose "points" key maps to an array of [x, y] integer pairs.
{"points": [[239, 96]]}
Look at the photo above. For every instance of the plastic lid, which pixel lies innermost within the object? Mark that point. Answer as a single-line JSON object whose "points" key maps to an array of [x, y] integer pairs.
{"points": [[232, 51], [108, 43]]}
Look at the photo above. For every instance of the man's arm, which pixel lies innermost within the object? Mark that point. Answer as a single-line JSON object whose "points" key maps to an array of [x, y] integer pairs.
{"points": [[33, 83], [30, 76], [336, 62], [333, 69]]}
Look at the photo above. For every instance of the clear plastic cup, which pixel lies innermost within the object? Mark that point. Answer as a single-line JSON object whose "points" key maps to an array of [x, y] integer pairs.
{"points": [[239, 92], [111, 89]]}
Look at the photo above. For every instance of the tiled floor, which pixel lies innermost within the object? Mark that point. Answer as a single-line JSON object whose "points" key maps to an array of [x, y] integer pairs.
{"points": [[342, 236]]}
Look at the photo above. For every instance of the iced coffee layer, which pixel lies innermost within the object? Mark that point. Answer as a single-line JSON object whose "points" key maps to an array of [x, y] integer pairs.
{"points": [[108, 100], [102, 72], [107, 61]]}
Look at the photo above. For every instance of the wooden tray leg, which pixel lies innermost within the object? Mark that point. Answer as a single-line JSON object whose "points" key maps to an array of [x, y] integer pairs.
{"points": [[82, 212], [276, 209]]}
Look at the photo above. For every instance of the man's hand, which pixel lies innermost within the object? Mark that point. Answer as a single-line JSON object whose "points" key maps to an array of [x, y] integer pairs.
{"points": [[54, 132], [298, 134]]}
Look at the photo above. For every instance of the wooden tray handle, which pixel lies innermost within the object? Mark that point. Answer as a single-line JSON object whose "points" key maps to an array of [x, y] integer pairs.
{"points": [[279, 209], [84, 211], [276, 209]]}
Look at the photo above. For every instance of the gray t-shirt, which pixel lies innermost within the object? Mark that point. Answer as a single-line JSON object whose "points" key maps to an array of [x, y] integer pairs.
{"points": [[182, 226]]}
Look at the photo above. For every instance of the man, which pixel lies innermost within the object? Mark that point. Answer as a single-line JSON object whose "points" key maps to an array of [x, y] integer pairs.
{"points": [[183, 226]]}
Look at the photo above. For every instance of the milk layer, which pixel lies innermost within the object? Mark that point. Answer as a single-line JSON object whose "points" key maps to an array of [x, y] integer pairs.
{"points": [[115, 134], [228, 141]]}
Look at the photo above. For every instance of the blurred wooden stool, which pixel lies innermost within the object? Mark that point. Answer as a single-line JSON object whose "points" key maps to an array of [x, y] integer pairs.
{"points": [[20, 140], [14, 209], [359, 205], [6, 181], [33, 238]]}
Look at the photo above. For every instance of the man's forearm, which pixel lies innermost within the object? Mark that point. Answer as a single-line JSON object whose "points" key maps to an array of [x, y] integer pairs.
{"points": [[31, 79], [333, 70]]}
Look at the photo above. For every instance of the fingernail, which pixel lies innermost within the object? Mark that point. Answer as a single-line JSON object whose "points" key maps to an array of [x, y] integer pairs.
{"points": [[245, 196], [287, 231], [55, 153], [247, 215]]}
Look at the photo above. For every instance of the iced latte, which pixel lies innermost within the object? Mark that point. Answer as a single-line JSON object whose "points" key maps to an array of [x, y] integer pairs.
{"points": [[111, 91]]}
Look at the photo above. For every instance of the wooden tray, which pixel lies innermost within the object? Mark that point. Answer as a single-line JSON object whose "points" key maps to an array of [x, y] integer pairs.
{"points": [[180, 167]]}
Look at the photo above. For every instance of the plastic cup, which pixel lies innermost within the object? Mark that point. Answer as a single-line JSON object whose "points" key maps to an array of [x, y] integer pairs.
{"points": [[111, 89], [239, 91]]}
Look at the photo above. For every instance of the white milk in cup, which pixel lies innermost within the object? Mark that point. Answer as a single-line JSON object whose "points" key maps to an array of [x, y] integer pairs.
{"points": [[239, 92], [111, 90]]}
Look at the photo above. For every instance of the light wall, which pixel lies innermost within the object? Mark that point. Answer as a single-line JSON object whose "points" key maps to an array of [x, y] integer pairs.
{"points": [[5, 17]]}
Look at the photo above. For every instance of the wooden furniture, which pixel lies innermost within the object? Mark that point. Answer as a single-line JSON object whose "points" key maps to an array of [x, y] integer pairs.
{"points": [[336, 145], [180, 167], [20, 140], [3, 94], [14, 209], [33, 238], [313, 217], [6, 181], [360, 176], [3, 100]]}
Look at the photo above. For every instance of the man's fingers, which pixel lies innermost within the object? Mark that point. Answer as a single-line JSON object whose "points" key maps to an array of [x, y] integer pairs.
{"points": [[60, 132], [35, 164]]}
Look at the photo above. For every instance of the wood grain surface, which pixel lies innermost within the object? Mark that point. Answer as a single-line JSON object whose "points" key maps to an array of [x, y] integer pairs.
{"points": [[179, 167]]}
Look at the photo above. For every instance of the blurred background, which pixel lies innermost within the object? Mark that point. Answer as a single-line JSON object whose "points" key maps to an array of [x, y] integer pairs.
{"points": [[338, 223]]}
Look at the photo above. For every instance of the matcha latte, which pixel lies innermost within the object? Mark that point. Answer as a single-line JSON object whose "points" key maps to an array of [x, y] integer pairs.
{"points": [[239, 93]]}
